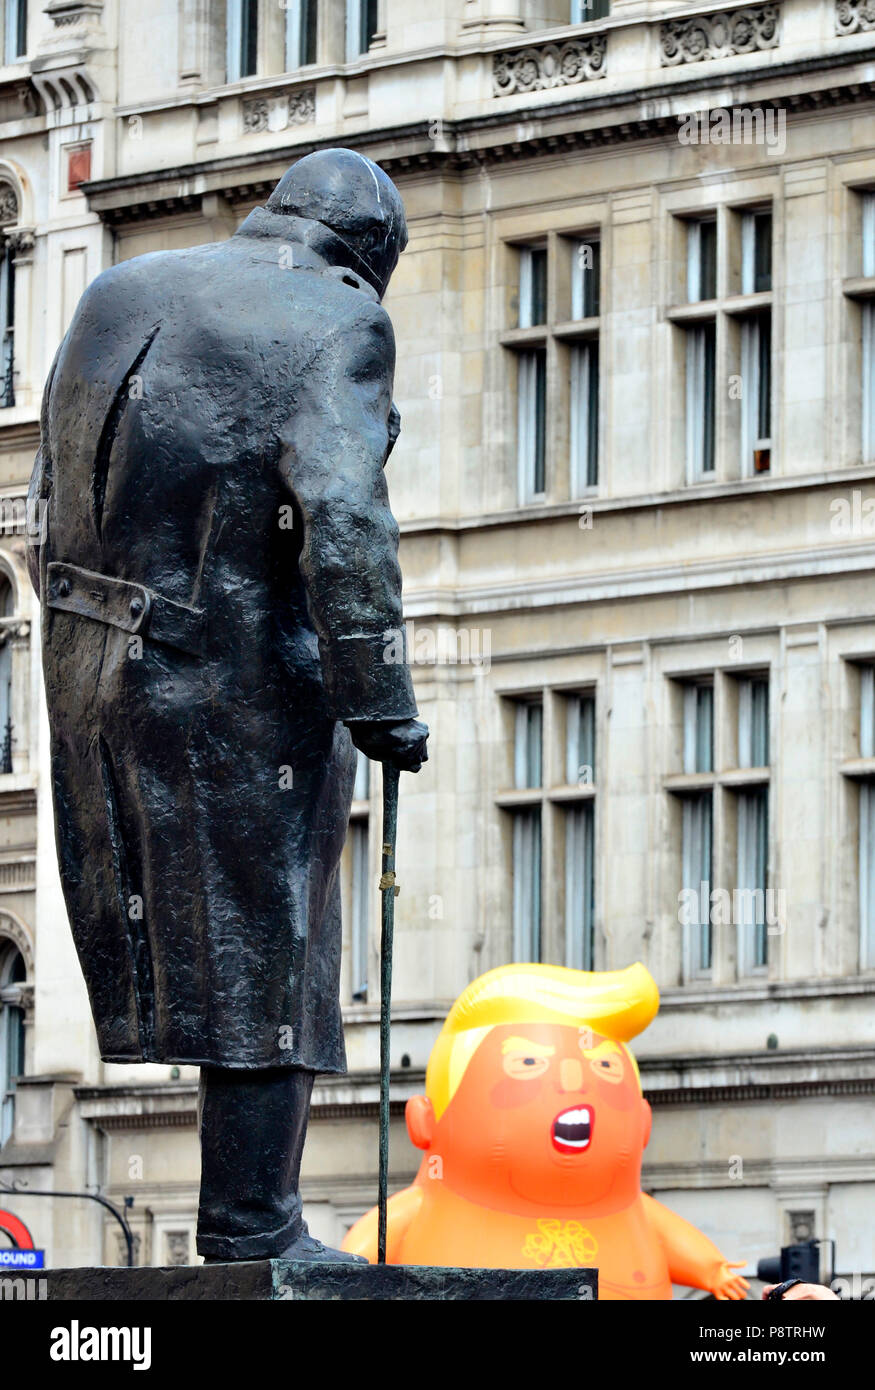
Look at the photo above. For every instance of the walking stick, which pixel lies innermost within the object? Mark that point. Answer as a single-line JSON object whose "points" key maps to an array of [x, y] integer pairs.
{"points": [[389, 892]]}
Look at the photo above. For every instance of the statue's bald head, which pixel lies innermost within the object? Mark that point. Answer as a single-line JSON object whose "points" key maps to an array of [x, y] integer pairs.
{"points": [[358, 201]]}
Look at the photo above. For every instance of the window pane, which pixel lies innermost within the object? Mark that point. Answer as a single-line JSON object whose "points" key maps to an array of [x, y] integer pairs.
{"points": [[867, 264], [527, 745], [362, 788], [531, 423], [527, 885], [701, 358], [868, 315], [587, 285], [696, 873], [699, 728], [750, 908], [867, 712], [764, 383], [300, 33], [708, 261], [759, 752], [762, 251], [360, 902], [584, 433], [753, 723], [867, 876], [579, 888], [533, 287], [249, 56], [580, 740]]}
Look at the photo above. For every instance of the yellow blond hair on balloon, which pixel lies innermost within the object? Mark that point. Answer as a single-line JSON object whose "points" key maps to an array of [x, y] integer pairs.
{"points": [[621, 1003], [533, 1129]]}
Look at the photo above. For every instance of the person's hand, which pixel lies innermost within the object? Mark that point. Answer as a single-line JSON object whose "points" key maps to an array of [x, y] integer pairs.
{"points": [[404, 743], [803, 1293], [727, 1285]]}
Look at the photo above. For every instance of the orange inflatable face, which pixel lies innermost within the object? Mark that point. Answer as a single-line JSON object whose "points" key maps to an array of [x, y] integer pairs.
{"points": [[545, 1115]]}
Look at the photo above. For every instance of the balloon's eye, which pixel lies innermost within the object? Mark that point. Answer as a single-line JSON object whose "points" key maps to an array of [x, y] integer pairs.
{"points": [[606, 1064], [523, 1066]]}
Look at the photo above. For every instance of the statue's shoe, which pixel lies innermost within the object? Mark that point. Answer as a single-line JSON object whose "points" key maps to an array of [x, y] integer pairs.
{"points": [[308, 1248], [304, 1248]]}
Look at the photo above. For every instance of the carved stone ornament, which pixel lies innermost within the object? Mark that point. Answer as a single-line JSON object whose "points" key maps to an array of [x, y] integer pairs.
{"points": [[549, 65], [21, 239], [719, 35], [278, 113], [8, 204], [854, 16]]}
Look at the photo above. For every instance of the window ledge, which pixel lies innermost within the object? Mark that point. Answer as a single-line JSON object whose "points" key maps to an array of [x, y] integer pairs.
{"points": [[577, 328], [859, 287], [859, 769], [744, 777], [524, 337], [738, 305], [680, 782], [572, 793], [701, 312], [522, 796], [689, 781]]}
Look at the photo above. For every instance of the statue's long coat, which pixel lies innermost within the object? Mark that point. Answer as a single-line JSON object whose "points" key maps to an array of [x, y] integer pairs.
{"points": [[215, 429]]}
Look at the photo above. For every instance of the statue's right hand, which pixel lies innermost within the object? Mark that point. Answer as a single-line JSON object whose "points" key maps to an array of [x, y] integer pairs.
{"points": [[403, 743]]}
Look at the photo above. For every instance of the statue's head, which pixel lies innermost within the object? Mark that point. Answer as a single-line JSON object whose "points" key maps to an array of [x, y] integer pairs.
{"points": [[355, 199]]}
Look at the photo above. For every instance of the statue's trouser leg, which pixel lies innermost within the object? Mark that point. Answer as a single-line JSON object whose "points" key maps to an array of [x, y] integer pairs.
{"points": [[252, 1130]]}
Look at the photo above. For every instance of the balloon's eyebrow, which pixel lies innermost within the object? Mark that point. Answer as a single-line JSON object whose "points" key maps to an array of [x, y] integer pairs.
{"points": [[606, 1045], [532, 1049]]}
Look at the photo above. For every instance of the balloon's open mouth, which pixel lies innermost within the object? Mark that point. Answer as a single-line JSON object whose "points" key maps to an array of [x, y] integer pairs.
{"points": [[572, 1130]]}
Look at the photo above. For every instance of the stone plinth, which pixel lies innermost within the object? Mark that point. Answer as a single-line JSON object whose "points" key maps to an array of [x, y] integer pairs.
{"points": [[271, 1280]]}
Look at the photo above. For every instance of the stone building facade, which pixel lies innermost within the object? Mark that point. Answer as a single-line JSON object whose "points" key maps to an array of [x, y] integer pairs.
{"points": [[636, 489]]}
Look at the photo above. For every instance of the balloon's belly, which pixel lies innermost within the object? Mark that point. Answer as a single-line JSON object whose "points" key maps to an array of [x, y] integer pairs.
{"points": [[631, 1262]]}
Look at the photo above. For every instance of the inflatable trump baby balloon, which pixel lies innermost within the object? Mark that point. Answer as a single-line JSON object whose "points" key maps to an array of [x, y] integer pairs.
{"points": [[533, 1129]]}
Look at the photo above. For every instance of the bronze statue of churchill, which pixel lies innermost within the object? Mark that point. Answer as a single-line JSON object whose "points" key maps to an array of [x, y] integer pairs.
{"points": [[218, 575]]}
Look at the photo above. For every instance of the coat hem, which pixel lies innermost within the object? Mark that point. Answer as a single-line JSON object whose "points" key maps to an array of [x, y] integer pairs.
{"points": [[230, 1064]]}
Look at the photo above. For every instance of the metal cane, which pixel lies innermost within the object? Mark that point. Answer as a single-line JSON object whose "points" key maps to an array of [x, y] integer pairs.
{"points": [[389, 893]]}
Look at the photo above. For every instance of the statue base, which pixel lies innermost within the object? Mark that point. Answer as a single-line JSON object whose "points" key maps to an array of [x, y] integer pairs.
{"points": [[268, 1281]]}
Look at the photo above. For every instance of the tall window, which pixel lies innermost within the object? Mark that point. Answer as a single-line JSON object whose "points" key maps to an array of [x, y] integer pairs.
{"points": [[15, 36], [701, 350], [697, 823], [752, 807], [580, 835], [584, 393], [756, 345], [12, 977], [867, 821], [301, 18], [868, 316], [528, 724], [701, 260], [533, 286], [7, 324], [242, 39], [532, 424], [584, 10], [361, 26], [6, 730], [701, 353], [360, 894], [586, 270]]}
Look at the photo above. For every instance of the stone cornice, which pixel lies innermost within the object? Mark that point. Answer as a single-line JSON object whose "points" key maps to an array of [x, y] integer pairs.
{"points": [[557, 128]]}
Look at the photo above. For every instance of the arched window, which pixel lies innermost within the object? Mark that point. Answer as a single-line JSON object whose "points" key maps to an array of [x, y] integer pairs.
{"points": [[13, 974], [7, 604], [8, 218]]}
